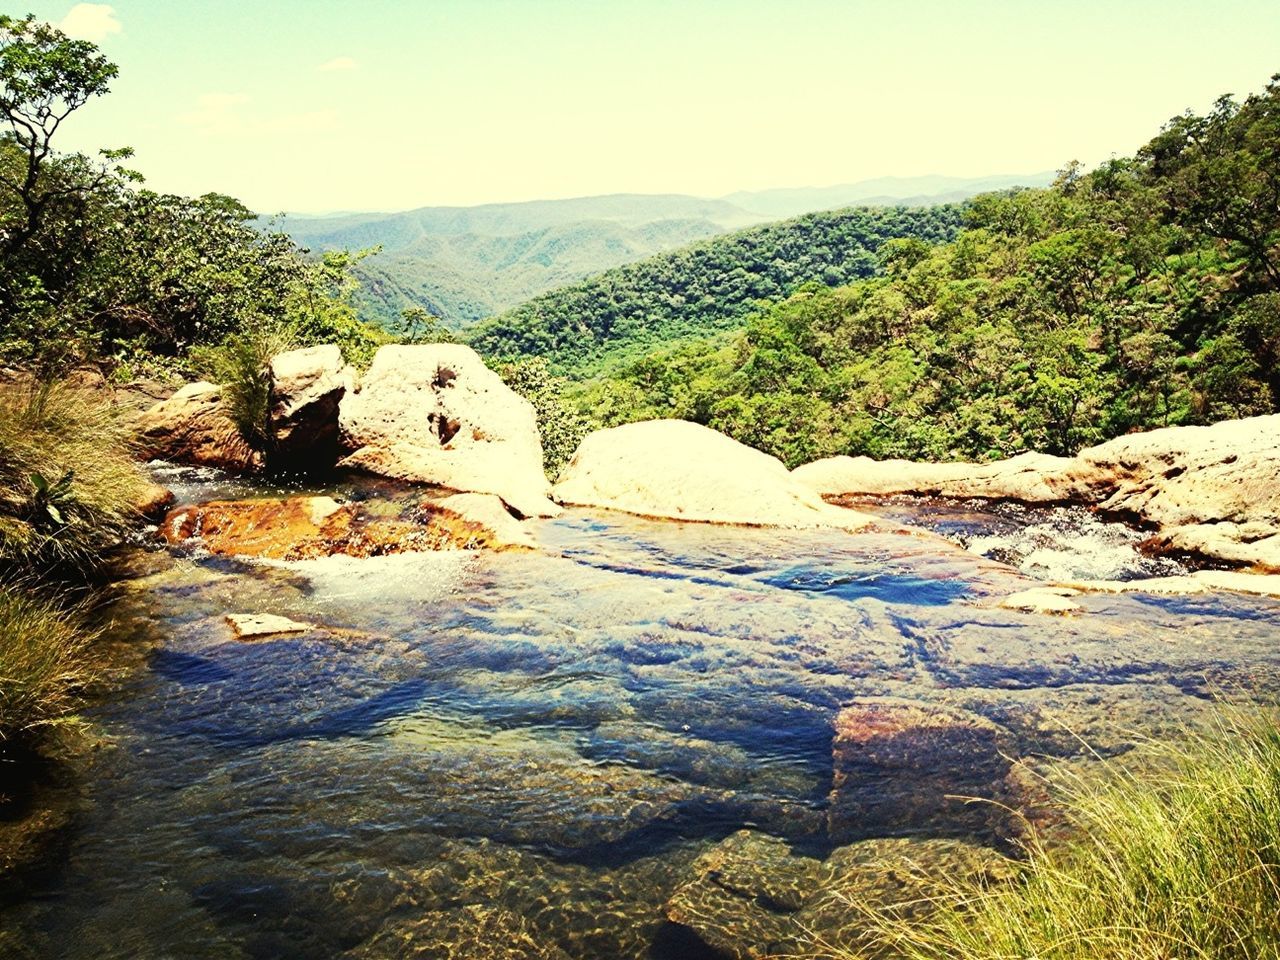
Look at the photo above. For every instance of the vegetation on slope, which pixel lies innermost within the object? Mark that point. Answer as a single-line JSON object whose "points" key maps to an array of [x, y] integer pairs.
{"points": [[702, 288], [1176, 866], [1143, 294]]}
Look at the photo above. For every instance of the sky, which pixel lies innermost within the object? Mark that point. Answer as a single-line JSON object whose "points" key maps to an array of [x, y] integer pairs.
{"points": [[336, 105]]}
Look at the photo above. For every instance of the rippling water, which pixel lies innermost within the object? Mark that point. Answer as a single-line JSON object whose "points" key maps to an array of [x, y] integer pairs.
{"points": [[541, 744]]}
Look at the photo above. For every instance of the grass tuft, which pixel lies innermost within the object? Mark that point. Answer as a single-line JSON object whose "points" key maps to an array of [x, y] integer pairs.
{"points": [[43, 662], [69, 487], [1179, 863]]}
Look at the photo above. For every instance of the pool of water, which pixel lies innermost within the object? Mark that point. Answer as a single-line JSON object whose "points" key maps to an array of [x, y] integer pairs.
{"points": [[524, 754]]}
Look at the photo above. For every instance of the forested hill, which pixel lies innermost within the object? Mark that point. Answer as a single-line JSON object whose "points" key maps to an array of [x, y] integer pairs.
{"points": [[1145, 293], [703, 288]]}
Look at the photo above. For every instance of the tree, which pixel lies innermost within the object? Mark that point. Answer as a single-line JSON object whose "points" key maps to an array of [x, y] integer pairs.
{"points": [[45, 77]]}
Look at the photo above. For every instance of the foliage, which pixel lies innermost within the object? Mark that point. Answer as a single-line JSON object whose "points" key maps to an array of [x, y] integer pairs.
{"points": [[709, 286], [1139, 295], [68, 484], [1169, 866], [562, 428], [241, 365], [43, 653]]}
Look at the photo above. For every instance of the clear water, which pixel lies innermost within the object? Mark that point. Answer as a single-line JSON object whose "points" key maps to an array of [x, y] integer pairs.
{"points": [[556, 735]]}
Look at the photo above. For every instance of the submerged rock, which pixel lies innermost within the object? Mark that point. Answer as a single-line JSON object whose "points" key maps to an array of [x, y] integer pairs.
{"points": [[487, 511], [436, 414], [1212, 491], [751, 896], [677, 470], [193, 427], [468, 933], [903, 766]]}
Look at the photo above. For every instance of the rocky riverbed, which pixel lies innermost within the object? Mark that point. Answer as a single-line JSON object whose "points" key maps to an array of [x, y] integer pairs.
{"points": [[358, 717]]}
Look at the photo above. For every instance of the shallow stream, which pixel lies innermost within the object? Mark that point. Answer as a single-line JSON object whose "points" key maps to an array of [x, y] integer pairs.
{"points": [[523, 754]]}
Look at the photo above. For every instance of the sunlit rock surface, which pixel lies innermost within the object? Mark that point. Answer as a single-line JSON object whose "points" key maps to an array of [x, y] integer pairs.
{"points": [[193, 427], [685, 471], [436, 414]]}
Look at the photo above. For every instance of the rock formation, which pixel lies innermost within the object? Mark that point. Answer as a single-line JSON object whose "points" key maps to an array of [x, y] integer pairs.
{"points": [[436, 414], [1212, 491], [193, 427], [678, 470], [306, 387]]}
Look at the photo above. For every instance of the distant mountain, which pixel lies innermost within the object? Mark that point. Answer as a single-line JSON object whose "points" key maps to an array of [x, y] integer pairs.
{"points": [[467, 263], [908, 191], [702, 289]]}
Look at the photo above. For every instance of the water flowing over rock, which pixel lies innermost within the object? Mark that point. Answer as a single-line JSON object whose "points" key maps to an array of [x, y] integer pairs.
{"points": [[678, 470], [249, 625], [903, 766], [436, 414], [306, 388], [192, 427], [1212, 491]]}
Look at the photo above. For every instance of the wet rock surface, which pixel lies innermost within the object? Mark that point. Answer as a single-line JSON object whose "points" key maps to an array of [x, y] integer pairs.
{"points": [[642, 740]]}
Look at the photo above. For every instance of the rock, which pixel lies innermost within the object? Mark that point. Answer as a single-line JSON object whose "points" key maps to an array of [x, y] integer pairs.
{"points": [[1212, 491], [436, 414], [488, 512], [154, 501], [249, 625], [904, 766], [468, 933], [743, 894], [307, 386], [1042, 600], [751, 896], [1202, 581], [306, 528], [1030, 477], [192, 427], [677, 470]]}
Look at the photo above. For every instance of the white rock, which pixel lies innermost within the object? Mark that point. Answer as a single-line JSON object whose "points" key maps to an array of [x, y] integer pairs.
{"points": [[306, 387], [683, 471], [247, 625], [192, 427], [1041, 600], [489, 511], [436, 414]]}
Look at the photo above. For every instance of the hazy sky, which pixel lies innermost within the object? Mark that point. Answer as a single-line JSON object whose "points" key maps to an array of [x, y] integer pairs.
{"points": [[324, 105]]}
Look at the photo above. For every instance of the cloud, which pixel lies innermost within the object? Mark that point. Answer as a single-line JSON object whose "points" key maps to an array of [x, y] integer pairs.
{"points": [[221, 115], [90, 21], [338, 63], [216, 114]]}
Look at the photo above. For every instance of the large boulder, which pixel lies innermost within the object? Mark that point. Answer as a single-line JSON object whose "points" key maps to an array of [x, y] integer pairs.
{"points": [[683, 471], [1212, 491], [193, 427], [306, 388], [436, 414]]}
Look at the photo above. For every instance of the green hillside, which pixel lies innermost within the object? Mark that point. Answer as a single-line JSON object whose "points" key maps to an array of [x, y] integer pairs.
{"points": [[703, 288], [1143, 294]]}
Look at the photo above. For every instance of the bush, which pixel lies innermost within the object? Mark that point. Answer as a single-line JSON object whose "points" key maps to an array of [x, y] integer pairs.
{"points": [[1184, 864], [240, 365], [42, 662], [69, 487]]}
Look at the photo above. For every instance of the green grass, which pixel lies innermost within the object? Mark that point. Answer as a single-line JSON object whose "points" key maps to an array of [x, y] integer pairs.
{"points": [[69, 486], [43, 662], [240, 365], [1180, 863]]}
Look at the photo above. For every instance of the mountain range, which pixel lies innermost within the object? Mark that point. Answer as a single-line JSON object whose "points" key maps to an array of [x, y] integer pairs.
{"points": [[467, 263]]}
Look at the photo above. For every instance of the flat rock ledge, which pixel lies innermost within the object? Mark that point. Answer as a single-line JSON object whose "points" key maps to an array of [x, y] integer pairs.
{"points": [[1209, 491], [246, 626], [676, 470]]}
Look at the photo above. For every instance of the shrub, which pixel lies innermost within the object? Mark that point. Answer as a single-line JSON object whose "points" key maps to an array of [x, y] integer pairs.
{"points": [[1180, 864], [69, 487], [240, 365], [43, 662]]}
